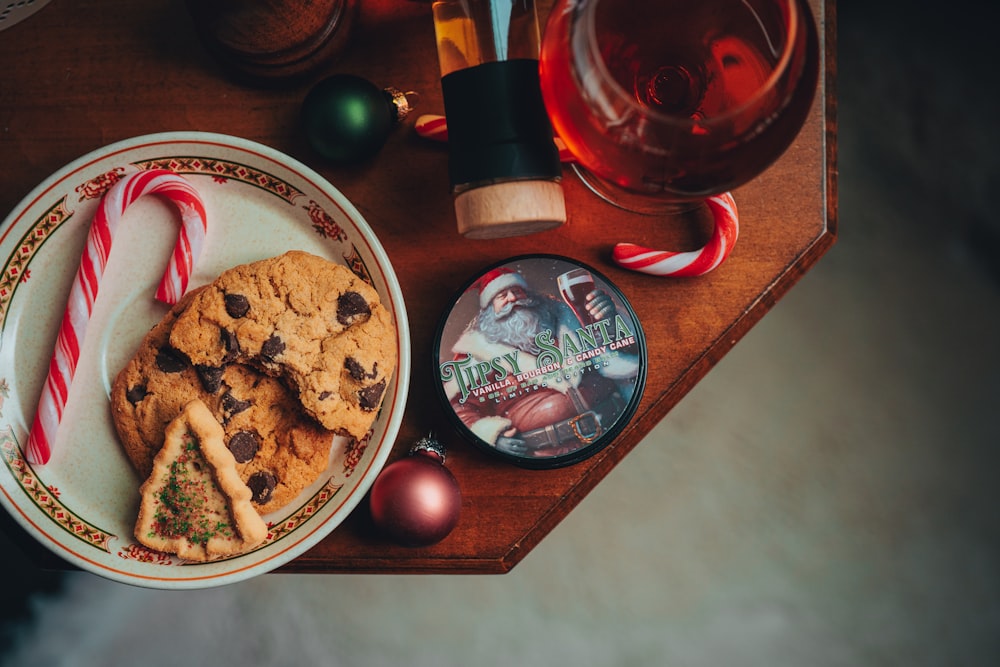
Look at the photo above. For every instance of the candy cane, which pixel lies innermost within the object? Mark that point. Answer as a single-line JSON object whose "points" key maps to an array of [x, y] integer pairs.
{"points": [[84, 290], [430, 126], [691, 263]]}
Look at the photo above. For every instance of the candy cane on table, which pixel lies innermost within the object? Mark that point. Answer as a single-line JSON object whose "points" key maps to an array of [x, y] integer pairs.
{"points": [[691, 263], [431, 126], [629, 255], [83, 293]]}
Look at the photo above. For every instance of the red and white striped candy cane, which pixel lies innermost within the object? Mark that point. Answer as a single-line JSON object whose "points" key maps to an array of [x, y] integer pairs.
{"points": [[431, 126], [691, 263], [84, 290]]}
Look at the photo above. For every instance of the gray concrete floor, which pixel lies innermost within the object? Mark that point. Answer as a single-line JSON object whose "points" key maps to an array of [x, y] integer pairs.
{"points": [[826, 497]]}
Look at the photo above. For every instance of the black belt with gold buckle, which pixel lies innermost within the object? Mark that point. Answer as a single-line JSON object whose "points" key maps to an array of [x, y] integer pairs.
{"points": [[585, 428]]}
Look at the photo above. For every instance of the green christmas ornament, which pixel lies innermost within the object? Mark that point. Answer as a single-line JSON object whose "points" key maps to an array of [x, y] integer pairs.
{"points": [[347, 118]]}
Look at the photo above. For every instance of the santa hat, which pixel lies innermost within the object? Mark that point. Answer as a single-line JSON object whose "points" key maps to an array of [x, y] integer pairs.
{"points": [[495, 281]]}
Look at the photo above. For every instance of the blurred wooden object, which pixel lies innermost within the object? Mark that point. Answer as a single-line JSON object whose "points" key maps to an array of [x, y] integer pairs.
{"points": [[273, 40]]}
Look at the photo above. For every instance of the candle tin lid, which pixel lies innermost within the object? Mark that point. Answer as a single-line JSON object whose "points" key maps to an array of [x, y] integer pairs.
{"points": [[529, 371]]}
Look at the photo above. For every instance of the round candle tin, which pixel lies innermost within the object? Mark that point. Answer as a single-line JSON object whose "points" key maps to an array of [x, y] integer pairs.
{"points": [[540, 361]]}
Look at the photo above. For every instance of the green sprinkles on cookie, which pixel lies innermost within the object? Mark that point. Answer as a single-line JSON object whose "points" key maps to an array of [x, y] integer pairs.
{"points": [[186, 499], [194, 503]]}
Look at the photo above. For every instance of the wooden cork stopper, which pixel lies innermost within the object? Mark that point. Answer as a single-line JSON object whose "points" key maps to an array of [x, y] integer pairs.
{"points": [[514, 208]]}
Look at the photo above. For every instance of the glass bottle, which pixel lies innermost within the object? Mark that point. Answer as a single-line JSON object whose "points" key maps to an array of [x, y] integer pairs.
{"points": [[503, 163]]}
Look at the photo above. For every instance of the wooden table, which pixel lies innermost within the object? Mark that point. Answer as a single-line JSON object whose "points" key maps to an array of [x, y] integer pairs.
{"points": [[82, 74]]}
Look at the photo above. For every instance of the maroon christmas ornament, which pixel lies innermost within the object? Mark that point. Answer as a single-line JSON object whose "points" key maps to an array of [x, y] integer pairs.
{"points": [[416, 500]]}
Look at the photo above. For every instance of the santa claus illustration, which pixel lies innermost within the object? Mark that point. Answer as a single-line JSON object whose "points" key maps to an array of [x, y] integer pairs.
{"points": [[537, 408]]}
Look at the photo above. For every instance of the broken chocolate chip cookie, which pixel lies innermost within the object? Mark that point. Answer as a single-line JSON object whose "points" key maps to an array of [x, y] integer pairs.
{"points": [[279, 449], [299, 317]]}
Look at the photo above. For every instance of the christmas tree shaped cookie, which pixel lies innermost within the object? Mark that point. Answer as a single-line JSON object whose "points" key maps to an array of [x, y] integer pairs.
{"points": [[194, 503]]}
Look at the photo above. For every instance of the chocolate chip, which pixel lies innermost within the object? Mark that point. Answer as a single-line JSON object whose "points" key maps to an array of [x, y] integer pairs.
{"points": [[237, 305], [323, 395], [369, 397], [352, 308], [357, 371], [136, 393], [210, 376], [244, 445], [170, 360], [272, 347], [232, 405], [230, 344], [261, 486]]}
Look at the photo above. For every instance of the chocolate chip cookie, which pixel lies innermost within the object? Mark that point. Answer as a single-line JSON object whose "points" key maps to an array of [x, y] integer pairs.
{"points": [[279, 449], [304, 319]]}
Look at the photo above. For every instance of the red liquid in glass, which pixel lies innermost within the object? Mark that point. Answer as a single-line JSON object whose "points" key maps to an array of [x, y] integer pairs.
{"points": [[697, 68], [574, 286]]}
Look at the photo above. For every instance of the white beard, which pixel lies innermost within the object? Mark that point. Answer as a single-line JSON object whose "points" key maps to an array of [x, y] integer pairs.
{"points": [[518, 323], [546, 313]]}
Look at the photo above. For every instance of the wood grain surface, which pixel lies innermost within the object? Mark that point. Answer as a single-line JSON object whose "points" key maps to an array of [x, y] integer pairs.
{"points": [[83, 74]]}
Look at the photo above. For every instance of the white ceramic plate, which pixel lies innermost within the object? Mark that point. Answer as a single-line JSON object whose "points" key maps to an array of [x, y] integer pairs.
{"points": [[82, 503]]}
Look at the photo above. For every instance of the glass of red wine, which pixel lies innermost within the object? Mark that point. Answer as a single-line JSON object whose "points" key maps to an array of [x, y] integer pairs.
{"points": [[664, 103]]}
